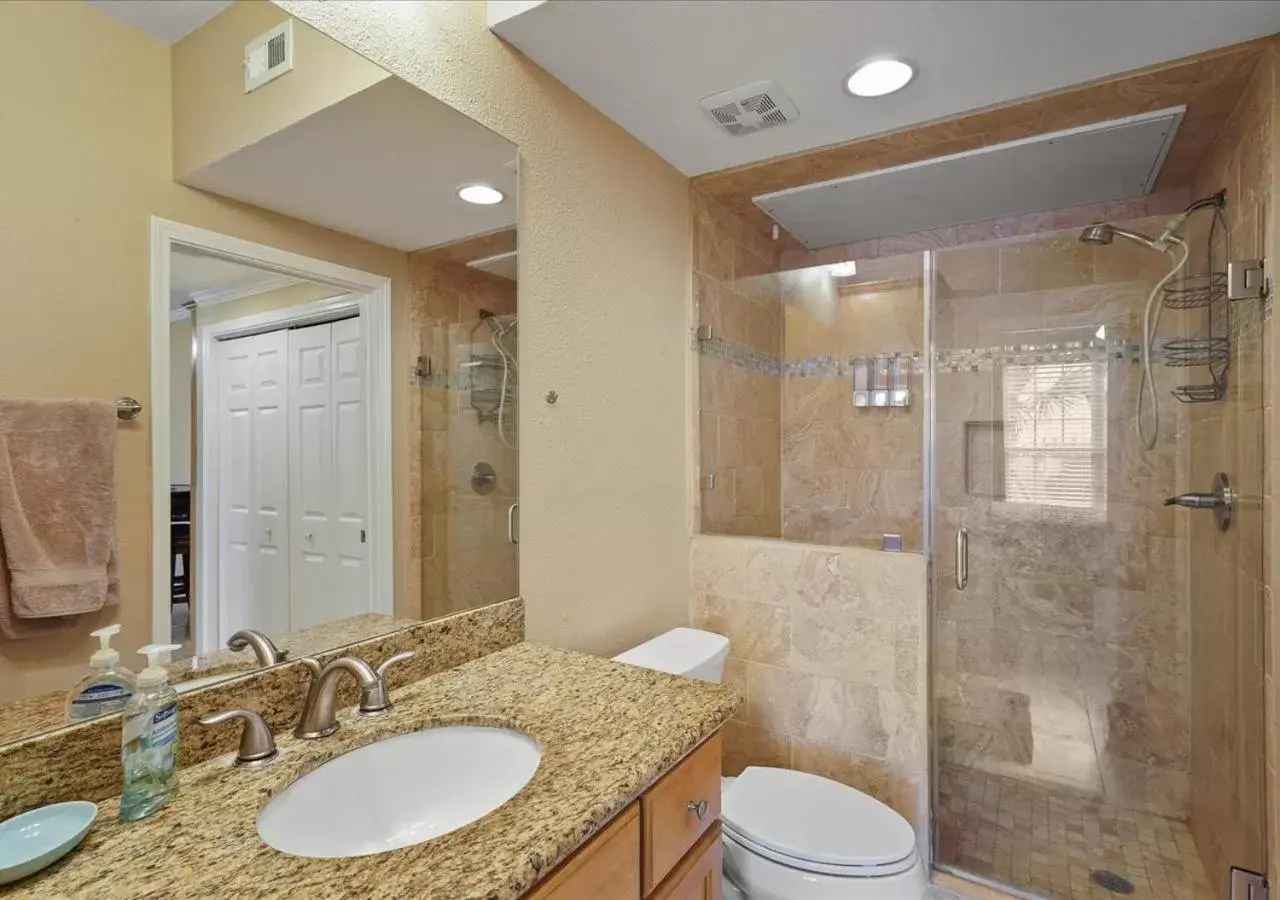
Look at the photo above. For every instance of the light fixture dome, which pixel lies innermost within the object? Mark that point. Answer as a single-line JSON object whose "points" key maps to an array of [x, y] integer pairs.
{"points": [[878, 77], [481, 194]]}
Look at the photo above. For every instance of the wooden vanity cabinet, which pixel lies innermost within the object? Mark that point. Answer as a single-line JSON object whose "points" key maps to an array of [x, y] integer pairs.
{"points": [[665, 846]]}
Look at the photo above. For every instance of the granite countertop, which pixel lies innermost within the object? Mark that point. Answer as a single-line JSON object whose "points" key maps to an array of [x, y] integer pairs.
{"points": [[607, 731]]}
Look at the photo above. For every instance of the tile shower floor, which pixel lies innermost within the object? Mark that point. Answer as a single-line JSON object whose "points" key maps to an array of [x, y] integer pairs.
{"points": [[1049, 840]]}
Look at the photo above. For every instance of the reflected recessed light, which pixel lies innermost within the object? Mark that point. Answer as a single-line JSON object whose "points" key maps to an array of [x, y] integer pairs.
{"points": [[844, 269], [481, 194], [879, 77]]}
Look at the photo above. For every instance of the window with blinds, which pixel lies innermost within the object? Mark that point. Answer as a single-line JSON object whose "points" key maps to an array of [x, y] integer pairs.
{"points": [[1055, 436]]}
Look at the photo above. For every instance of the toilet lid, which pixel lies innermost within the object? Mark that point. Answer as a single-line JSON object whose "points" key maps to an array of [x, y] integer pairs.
{"points": [[815, 820]]}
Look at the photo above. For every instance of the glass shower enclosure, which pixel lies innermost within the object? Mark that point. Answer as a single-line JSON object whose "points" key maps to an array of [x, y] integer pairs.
{"points": [[1096, 671]]}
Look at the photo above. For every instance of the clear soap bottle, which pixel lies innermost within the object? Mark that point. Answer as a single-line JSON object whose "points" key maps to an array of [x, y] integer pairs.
{"points": [[108, 686], [149, 740]]}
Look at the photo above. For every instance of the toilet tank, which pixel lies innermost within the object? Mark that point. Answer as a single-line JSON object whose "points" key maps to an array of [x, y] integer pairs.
{"points": [[682, 651]]}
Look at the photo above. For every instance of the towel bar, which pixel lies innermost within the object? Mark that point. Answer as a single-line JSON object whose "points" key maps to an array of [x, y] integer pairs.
{"points": [[127, 409]]}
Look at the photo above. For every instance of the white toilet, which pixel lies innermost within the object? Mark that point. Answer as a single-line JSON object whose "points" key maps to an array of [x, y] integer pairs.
{"points": [[790, 835]]}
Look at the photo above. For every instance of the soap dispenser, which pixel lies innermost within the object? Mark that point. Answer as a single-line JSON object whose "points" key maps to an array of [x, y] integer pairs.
{"points": [[107, 687], [149, 740]]}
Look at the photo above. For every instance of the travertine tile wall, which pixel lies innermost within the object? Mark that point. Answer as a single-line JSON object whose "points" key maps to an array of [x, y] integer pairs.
{"points": [[1232, 634], [739, 418], [827, 647], [463, 556], [851, 475], [1064, 660]]}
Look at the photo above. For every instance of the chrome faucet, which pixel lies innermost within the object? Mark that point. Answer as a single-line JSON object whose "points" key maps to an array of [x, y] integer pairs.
{"points": [[319, 718], [267, 652]]}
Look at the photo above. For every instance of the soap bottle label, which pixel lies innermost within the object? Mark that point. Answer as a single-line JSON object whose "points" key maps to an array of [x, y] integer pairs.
{"points": [[99, 700]]}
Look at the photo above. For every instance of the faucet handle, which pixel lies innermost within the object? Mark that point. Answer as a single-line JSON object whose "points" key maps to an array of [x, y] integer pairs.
{"points": [[398, 658], [257, 743], [375, 700]]}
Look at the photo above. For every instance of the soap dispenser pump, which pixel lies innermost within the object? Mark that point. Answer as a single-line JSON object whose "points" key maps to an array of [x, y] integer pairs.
{"points": [[108, 685], [149, 740]]}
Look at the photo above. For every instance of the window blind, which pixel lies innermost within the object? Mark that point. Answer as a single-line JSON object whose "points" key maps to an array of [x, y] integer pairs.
{"points": [[1055, 436]]}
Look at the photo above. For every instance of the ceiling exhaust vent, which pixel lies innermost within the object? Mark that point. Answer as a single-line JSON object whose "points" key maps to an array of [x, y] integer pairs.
{"points": [[268, 56], [752, 107]]}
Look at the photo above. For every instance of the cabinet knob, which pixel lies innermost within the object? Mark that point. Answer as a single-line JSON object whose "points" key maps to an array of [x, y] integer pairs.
{"points": [[698, 808]]}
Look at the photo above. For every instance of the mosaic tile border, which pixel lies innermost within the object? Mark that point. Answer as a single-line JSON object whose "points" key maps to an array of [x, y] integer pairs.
{"points": [[964, 359], [739, 355]]}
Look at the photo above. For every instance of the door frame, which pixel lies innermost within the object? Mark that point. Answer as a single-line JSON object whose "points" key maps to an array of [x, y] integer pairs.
{"points": [[370, 296]]}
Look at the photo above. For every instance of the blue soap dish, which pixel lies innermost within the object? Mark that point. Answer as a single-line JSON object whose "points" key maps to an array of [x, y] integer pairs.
{"points": [[41, 837]]}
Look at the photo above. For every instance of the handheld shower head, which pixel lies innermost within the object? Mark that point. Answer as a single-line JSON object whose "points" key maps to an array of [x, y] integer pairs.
{"points": [[1098, 233], [1102, 233]]}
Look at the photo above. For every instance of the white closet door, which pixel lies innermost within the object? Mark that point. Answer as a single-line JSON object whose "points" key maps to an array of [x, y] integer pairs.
{"points": [[328, 473], [350, 566], [271, 482], [253, 567]]}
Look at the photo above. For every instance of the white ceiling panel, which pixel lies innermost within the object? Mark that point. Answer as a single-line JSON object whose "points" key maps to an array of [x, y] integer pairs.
{"points": [[646, 63], [1108, 161]]}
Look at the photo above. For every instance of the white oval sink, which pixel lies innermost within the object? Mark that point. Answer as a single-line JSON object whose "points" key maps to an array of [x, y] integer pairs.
{"points": [[400, 791]]}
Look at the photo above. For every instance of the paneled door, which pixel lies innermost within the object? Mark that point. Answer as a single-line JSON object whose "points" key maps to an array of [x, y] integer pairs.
{"points": [[253, 486], [328, 474]]}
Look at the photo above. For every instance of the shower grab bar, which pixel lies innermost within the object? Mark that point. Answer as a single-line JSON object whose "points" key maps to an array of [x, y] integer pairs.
{"points": [[962, 559]]}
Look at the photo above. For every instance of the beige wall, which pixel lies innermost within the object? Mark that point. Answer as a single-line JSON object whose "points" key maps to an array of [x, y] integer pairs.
{"points": [[827, 647], [213, 116], [83, 184], [604, 312]]}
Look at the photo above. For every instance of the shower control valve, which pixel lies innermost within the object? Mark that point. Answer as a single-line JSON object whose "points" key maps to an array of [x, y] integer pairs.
{"points": [[1222, 500]]}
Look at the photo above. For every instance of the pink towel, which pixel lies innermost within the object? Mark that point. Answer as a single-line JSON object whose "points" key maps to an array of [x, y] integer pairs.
{"points": [[57, 510]]}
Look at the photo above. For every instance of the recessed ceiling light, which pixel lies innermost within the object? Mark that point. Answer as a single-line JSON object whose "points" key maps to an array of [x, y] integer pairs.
{"points": [[481, 194], [879, 77]]}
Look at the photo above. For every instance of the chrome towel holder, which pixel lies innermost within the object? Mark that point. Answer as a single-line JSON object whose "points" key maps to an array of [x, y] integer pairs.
{"points": [[127, 409]]}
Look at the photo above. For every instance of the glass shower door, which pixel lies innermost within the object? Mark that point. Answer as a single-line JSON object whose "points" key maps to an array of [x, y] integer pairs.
{"points": [[1065, 704]]}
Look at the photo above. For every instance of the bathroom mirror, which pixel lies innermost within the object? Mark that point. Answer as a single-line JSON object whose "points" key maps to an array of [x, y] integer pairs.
{"points": [[296, 273]]}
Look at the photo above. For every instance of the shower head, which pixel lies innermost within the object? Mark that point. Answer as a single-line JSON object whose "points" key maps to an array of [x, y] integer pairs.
{"points": [[1102, 233]]}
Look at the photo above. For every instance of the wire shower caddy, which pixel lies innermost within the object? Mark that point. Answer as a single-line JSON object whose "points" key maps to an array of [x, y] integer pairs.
{"points": [[1206, 290]]}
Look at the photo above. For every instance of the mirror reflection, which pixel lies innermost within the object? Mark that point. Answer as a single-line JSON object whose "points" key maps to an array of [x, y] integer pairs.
{"points": [[260, 370]]}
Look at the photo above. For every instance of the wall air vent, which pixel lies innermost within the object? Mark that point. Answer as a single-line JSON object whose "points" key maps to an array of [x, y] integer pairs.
{"points": [[750, 108], [268, 56]]}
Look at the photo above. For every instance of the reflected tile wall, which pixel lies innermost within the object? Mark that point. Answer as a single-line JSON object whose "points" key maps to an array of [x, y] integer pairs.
{"points": [[463, 558], [1232, 673], [827, 649], [737, 296]]}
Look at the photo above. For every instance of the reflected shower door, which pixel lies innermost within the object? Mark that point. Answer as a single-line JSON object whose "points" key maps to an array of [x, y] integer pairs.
{"points": [[1064, 664]]}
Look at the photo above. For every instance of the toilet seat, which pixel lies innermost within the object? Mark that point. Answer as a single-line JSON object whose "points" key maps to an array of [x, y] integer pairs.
{"points": [[816, 825]]}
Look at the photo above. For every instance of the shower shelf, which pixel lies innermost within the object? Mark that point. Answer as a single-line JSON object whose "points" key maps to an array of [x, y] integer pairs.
{"points": [[487, 361], [1200, 393], [1196, 291], [1197, 351]]}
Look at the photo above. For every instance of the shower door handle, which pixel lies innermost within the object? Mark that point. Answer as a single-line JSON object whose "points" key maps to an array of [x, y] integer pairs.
{"points": [[962, 559], [512, 536]]}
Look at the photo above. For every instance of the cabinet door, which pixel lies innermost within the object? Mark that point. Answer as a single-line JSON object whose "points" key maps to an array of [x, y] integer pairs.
{"points": [[699, 876], [607, 868], [678, 810]]}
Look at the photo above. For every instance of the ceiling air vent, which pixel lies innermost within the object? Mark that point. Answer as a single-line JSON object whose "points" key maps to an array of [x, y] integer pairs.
{"points": [[752, 107], [268, 56]]}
